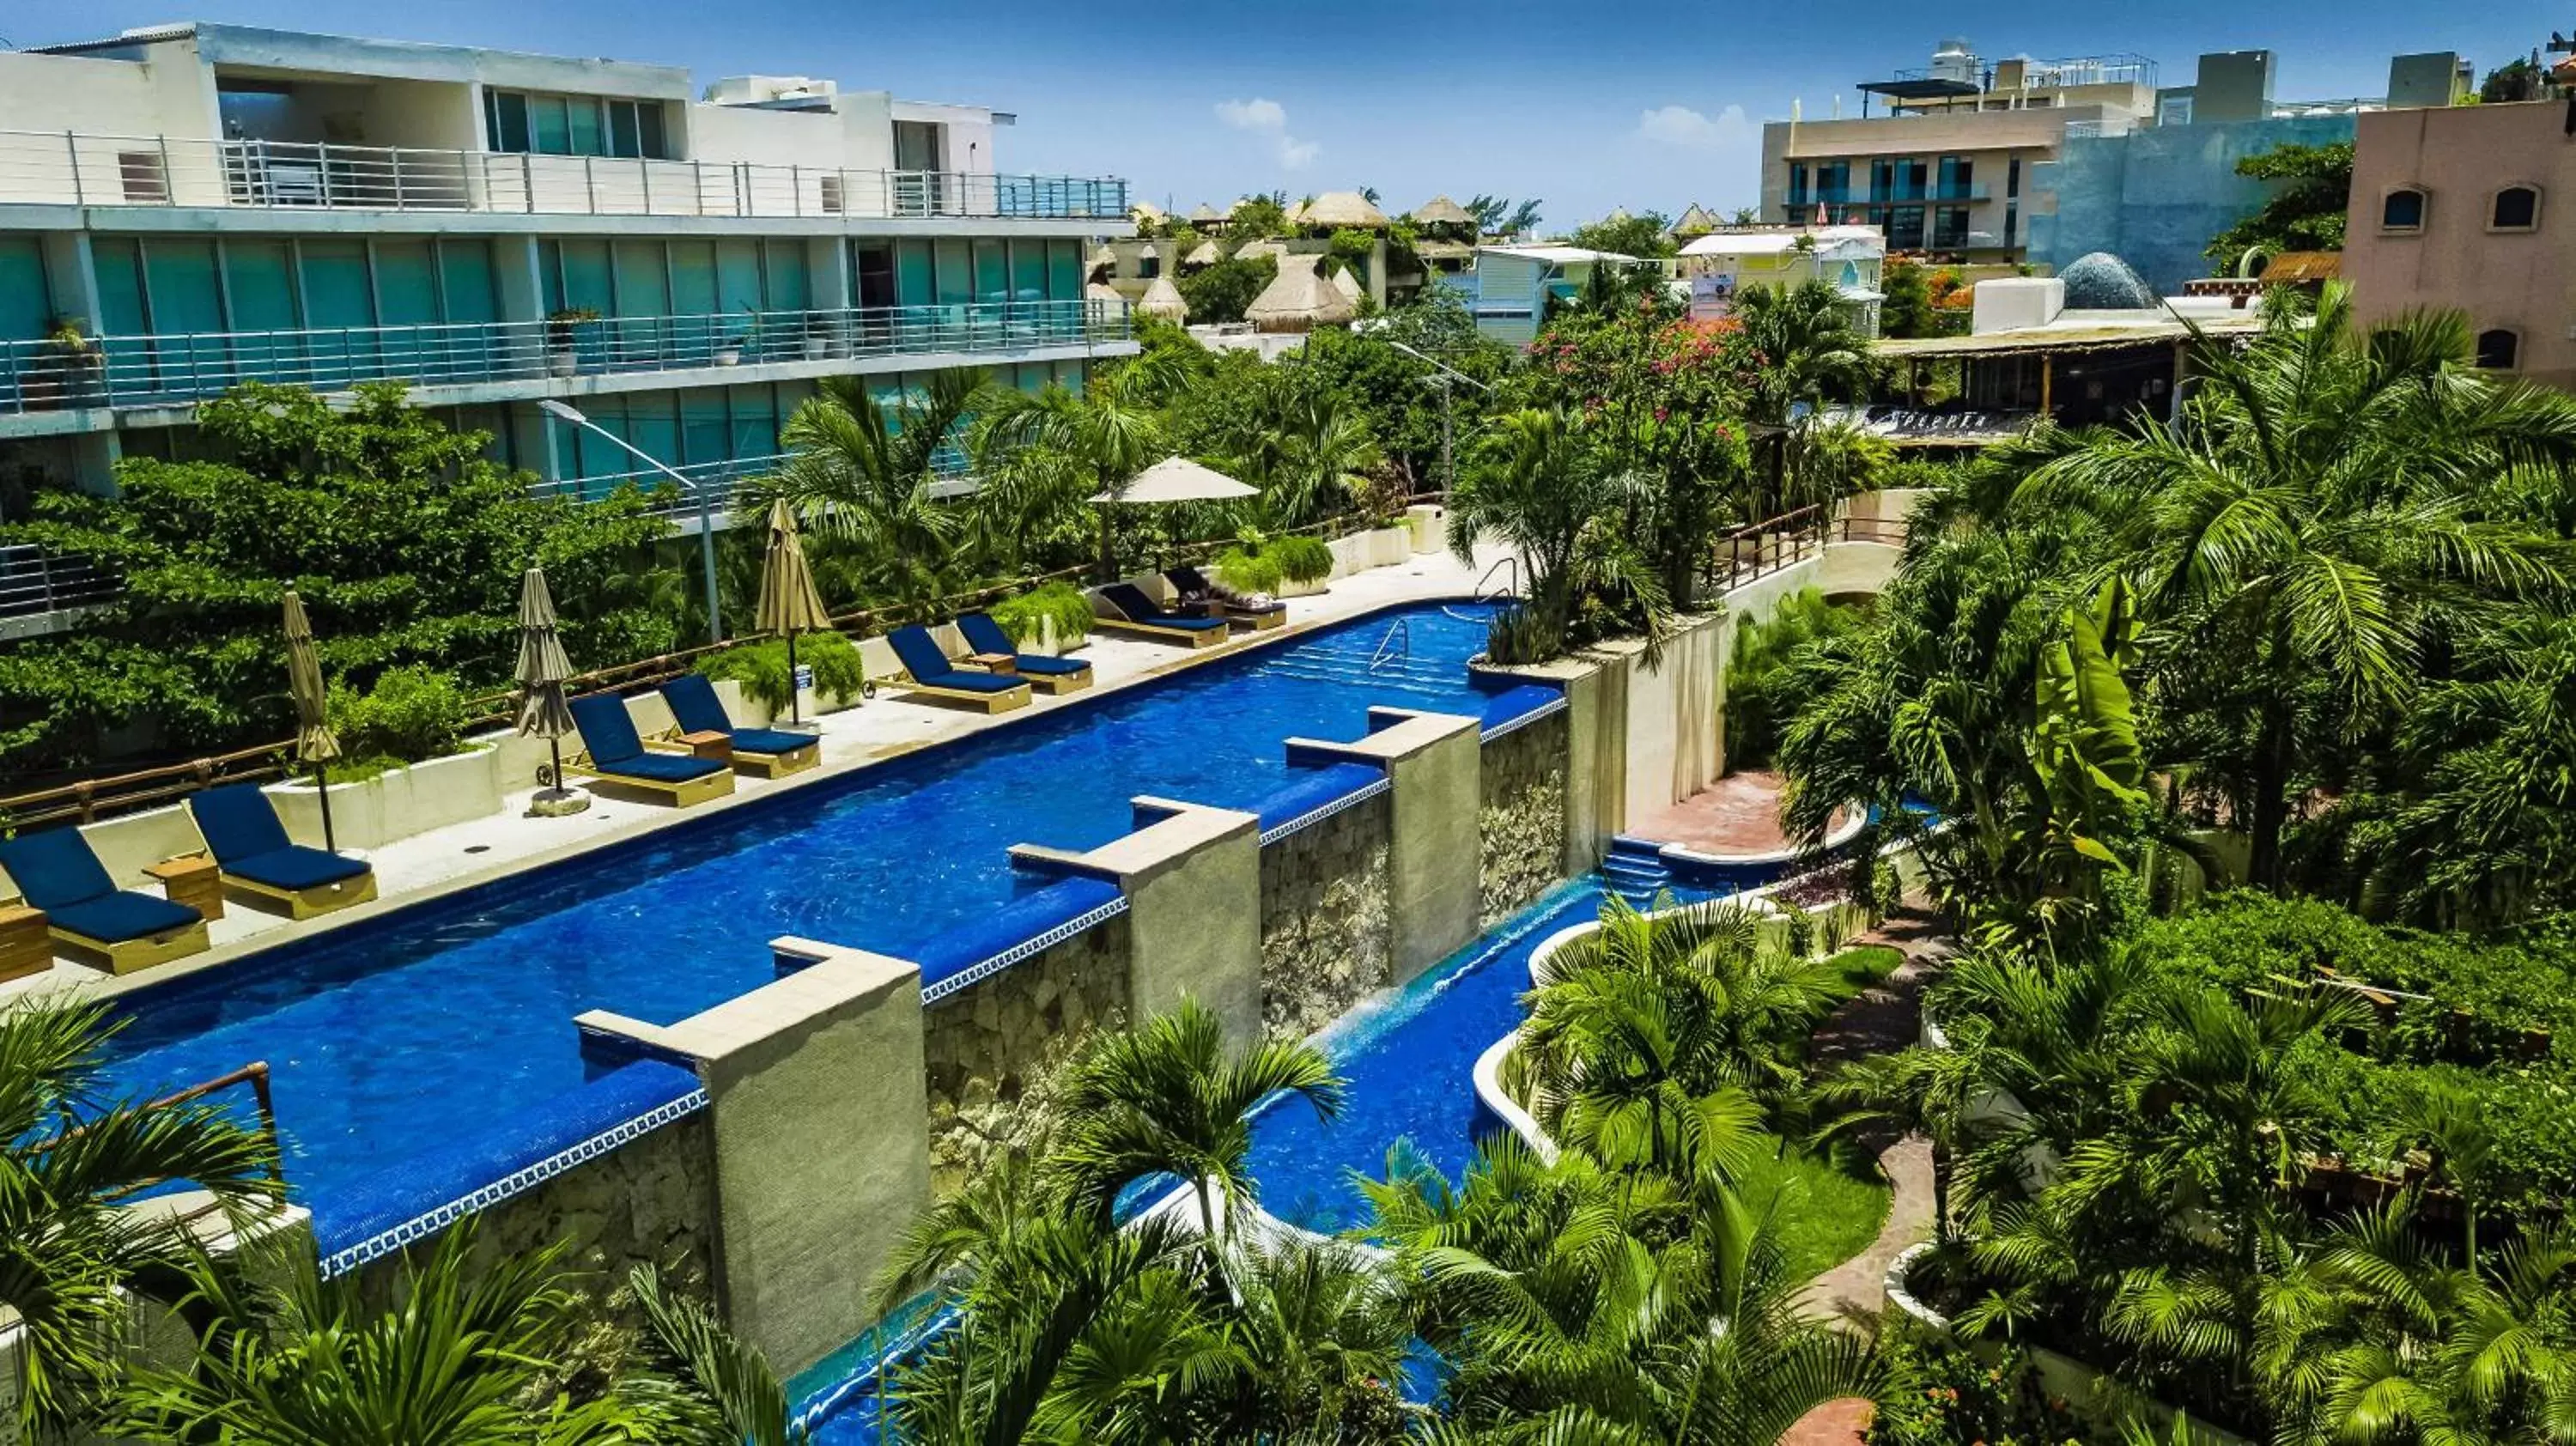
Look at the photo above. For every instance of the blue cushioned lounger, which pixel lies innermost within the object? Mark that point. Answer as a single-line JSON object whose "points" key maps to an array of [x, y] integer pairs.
{"points": [[771, 752], [55, 871], [617, 756], [1130, 611], [261, 865], [1056, 675], [935, 676]]}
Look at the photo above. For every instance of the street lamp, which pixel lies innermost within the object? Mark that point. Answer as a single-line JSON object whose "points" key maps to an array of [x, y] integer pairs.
{"points": [[566, 411], [1447, 375]]}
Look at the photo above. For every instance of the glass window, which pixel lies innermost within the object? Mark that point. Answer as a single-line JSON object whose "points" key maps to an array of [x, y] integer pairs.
{"points": [[648, 117], [119, 263], [753, 415], [550, 125], [1064, 270], [589, 137], [955, 276], [737, 276], [466, 282], [705, 429], [2402, 211], [1028, 271], [693, 278], [406, 283], [585, 272], [790, 287], [2012, 177], [622, 137], [336, 288], [2498, 349], [992, 272], [506, 112], [1798, 183], [643, 287], [912, 272], [2517, 208], [26, 308]]}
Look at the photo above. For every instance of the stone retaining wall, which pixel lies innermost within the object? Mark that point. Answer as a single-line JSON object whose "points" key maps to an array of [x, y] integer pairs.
{"points": [[1325, 942], [1521, 821], [995, 1046]]}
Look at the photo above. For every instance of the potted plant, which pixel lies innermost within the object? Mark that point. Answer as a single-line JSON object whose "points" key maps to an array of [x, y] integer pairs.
{"points": [[563, 357], [67, 370], [729, 352]]}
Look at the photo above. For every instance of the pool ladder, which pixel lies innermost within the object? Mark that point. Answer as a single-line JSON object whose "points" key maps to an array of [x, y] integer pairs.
{"points": [[1398, 643]]}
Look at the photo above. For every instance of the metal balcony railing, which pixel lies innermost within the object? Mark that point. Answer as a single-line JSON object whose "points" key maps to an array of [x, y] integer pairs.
{"points": [[65, 168], [174, 370], [34, 582]]}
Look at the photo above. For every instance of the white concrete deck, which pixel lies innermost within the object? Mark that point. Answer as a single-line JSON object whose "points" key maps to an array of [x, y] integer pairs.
{"points": [[480, 850]]}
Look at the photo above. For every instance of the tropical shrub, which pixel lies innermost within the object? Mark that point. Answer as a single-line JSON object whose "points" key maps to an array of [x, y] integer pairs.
{"points": [[1218, 294], [761, 668], [1247, 571], [1939, 1392], [1301, 558], [1258, 563], [1758, 677], [411, 714], [1020, 616]]}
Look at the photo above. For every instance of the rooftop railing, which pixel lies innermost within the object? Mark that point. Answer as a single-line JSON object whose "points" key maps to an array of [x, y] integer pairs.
{"points": [[34, 582], [179, 369], [65, 168]]}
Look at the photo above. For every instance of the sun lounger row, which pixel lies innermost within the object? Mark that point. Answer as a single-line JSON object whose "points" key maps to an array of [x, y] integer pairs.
{"points": [[57, 873], [1205, 616]]}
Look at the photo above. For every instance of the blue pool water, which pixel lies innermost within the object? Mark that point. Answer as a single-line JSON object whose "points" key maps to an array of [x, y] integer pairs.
{"points": [[388, 1038]]}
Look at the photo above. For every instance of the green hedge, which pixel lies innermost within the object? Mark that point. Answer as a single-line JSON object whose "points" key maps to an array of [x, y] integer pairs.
{"points": [[761, 667], [412, 714], [1260, 565], [1061, 601]]}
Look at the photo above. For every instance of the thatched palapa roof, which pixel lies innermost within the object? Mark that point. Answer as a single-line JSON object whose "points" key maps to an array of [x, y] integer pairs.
{"points": [[1163, 299], [1347, 284], [1102, 291], [1204, 214], [1299, 300], [1697, 221], [1340, 209], [2292, 267], [1102, 259], [1441, 211]]}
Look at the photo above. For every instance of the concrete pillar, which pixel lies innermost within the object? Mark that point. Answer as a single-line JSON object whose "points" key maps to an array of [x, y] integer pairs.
{"points": [[72, 276], [818, 1093], [1434, 764], [521, 282], [1192, 877]]}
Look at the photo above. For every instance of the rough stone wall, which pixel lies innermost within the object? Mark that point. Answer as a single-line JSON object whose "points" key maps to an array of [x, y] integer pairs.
{"points": [[1324, 928], [1522, 819], [994, 1048]]}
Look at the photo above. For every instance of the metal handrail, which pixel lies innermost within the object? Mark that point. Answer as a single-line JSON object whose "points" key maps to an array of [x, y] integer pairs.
{"points": [[1388, 647], [34, 582], [1752, 553], [1511, 564], [176, 369], [254, 1074], [69, 168]]}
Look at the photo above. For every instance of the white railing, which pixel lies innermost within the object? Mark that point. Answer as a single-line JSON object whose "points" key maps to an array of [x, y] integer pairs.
{"points": [[177, 369], [64, 168]]}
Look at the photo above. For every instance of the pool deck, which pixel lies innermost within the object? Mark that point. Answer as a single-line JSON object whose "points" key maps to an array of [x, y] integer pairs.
{"points": [[888, 726], [1737, 815]]}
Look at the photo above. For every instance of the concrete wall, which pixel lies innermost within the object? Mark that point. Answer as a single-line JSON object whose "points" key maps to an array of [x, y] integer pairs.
{"points": [[2522, 281], [2155, 197], [55, 93]]}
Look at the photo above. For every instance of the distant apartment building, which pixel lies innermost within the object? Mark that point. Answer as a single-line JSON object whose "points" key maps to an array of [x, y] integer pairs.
{"points": [[2468, 208], [188, 207], [1721, 266], [2156, 195], [1948, 167]]}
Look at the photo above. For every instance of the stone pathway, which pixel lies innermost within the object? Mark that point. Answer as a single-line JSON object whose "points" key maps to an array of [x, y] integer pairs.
{"points": [[1882, 1019], [1844, 1422], [1738, 814]]}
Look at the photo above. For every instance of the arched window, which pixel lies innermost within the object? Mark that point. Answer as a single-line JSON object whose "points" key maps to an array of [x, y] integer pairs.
{"points": [[2498, 349], [2515, 208], [2402, 210]]}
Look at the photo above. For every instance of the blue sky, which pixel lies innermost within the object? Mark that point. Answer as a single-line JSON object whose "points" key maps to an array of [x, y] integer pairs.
{"points": [[1653, 103]]}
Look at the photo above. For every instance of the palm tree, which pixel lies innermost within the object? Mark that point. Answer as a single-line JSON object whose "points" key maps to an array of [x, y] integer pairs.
{"points": [[1805, 347], [466, 1355], [732, 1378], [71, 1159], [864, 473], [1657, 1037], [1170, 1098], [1311, 459], [1325, 1330], [1101, 434], [2328, 501], [1535, 488]]}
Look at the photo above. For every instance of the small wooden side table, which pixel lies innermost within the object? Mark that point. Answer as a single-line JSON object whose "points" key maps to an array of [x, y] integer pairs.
{"points": [[710, 744], [26, 947], [194, 881], [1006, 664]]}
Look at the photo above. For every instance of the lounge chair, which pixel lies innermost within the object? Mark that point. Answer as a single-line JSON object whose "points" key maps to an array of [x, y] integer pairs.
{"points": [[1193, 586], [1122, 607], [261, 867], [1056, 675], [93, 919], [769, 752], [616, 756], [931, 675]]}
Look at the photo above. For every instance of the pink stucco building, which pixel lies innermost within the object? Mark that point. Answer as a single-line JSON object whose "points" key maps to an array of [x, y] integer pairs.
{"points": [[2472, 207]]}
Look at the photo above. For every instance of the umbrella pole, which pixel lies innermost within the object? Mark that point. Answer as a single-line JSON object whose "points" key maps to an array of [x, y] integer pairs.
{"points": [[322, 791], [554, 746], [792, 700]]}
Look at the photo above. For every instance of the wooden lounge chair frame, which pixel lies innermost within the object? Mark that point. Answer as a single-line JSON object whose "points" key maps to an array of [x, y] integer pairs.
{"points": [[132, 956], [303, 903], [684, 793], [765, 765], [1107, 617], [1002, 701], [1058, 684]]}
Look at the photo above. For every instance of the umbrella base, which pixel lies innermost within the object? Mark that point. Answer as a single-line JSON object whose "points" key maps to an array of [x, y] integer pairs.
{"points": [[557, 803]]}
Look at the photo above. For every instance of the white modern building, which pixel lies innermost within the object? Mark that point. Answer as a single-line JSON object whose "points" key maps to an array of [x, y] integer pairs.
{"points": [[205, 204], [1720, 265]]}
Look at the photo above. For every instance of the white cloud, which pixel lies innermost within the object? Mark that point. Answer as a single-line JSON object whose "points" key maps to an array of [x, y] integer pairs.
{"points": [[1679, 125], [1268, 119]]}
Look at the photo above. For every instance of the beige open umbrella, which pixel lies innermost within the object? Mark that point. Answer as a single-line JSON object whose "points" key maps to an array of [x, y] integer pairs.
{"points": [[1174, 479], [789, 603], [314, 743], [543, 670]]}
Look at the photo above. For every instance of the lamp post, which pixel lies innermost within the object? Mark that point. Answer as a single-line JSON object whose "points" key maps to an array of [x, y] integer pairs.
{"points": [[706, 504], [1448, 376]]}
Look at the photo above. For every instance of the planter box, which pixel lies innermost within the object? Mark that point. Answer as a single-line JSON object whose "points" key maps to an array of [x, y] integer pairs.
{"points": [[1429, 530], [1389, 546], [1290, 588], [397, 804]]}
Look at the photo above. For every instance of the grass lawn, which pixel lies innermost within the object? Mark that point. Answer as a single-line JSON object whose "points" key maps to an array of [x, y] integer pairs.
{"points": [[1828, 1212], [1866, 964]]}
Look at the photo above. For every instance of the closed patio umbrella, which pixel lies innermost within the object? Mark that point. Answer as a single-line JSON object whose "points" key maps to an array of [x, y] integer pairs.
{"points": [[789, 603], [543, 669], [313, 741]]}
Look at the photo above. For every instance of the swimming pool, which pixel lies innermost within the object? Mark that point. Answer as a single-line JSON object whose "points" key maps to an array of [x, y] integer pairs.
{"points": [[387, 1038]]}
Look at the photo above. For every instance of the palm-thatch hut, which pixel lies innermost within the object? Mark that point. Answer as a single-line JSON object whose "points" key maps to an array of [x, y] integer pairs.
{"points": [[1347, 284], [1442, 212], [1339, 210], [1163, 299], [1204, 254], [1298, 299], [1102, 291], [1145, 214], [1205, 217], [1255, 250], [1697, 221], [1102, 264]]}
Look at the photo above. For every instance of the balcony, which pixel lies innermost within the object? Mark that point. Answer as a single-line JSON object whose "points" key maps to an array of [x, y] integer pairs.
{"points": [[61, 169], [176, 370]]}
